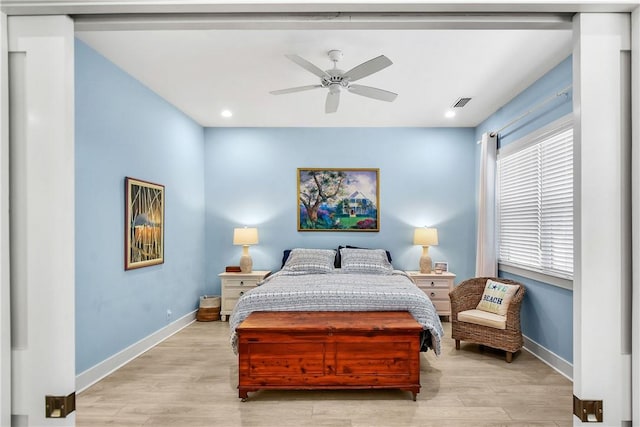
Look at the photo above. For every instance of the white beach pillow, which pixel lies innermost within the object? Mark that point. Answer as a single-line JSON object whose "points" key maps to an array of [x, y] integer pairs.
{"points": [[496, 297]]}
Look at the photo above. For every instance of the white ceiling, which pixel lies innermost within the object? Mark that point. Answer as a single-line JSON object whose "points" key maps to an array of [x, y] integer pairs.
{"points": [[204, 71]]}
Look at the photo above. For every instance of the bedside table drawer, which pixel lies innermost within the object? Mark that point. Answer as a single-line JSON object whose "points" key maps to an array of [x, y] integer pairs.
{"points": [[240, 282], [232, 292], [425, 283], [234, 285], [442, 307], [436, 287], [436, 293]]}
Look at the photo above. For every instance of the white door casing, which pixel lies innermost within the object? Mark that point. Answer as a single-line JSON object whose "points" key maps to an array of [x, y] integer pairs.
{"points": [[41, 145], [635, 208], [5, 324], [602, 223]]}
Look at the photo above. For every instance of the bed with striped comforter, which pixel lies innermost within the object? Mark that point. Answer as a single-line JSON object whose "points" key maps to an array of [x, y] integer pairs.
{"points": [[340, 291]]}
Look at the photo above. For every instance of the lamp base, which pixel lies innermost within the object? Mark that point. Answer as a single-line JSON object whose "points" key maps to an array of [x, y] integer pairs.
{"points": [[246, 264], [425, 261], [425, 264]]}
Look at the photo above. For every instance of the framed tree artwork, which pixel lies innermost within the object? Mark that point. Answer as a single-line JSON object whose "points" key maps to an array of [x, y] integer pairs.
{"points": [[338, 199], [144, 224]]}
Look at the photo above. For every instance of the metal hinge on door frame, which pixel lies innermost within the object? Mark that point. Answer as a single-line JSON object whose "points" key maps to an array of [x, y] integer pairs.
{"points": [[588, 411], [59, 406]]}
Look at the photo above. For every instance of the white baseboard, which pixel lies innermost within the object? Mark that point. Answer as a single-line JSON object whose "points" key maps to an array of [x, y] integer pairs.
{"points": [[94, 374], [550, 358]]}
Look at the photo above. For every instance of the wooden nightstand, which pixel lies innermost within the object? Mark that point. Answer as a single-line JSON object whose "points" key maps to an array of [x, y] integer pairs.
{"points": [[437, 288], [234, 285]]}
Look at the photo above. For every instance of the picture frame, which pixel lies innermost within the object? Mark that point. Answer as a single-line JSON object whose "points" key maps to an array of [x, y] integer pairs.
{"points": [[338, 199], [144, 223], [441, 266]]}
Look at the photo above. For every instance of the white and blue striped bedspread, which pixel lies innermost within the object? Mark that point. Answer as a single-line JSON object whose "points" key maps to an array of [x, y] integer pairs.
{"points": [[341, 292]]}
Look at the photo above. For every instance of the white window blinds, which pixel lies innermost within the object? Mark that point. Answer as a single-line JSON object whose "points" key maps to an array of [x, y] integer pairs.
{"points": [[535, 202]]}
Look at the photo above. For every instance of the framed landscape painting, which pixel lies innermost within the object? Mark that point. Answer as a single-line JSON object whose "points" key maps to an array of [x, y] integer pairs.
{"points": [[144, 224], [338, 199]]}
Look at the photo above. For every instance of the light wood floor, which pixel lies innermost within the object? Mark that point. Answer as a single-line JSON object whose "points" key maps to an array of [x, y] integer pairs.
{"points": [[191, 379]]}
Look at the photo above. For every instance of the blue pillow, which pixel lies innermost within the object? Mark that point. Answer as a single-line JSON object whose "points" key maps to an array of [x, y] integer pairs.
{"points": [[285, 257]]}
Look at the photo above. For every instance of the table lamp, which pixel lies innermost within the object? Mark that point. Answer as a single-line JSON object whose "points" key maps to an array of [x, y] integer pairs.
{"points": [[425, 237], [245, 237]]}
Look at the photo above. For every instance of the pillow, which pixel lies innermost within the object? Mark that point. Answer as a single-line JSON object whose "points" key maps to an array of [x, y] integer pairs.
{"points": [[339, 262], [496, 297], [366, 261], [310, 261], [336, 263]]}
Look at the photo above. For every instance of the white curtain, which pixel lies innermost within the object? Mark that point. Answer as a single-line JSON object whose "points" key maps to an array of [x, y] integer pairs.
{"points": [[486, 262]]}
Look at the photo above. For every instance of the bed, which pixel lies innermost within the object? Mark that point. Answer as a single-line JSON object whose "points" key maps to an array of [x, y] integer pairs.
{"points": [[366, 282]]}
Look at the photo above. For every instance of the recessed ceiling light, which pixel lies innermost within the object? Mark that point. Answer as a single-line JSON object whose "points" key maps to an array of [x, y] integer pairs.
{"points": [[449, 114], [226, 113]]}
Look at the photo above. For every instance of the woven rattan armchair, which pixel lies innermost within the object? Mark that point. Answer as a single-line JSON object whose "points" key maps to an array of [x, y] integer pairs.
{"points": [[466, 296]]}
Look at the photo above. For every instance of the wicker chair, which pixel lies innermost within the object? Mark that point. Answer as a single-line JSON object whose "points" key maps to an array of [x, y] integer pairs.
{"points": [[466, 296]]}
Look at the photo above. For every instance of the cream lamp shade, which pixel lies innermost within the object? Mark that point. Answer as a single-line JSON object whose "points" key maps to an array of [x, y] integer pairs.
{"points": [[245, 237], [425, 237]]}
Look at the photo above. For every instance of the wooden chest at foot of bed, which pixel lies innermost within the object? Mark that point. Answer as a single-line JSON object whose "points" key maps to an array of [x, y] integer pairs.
{"points": [[329, 350]]}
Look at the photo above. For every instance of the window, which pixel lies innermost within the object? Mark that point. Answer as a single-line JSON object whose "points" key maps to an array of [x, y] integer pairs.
{"points": [[535, 201]]}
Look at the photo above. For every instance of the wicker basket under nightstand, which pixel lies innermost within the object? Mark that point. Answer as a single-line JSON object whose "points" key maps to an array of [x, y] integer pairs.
{"points": [[209, 309]]}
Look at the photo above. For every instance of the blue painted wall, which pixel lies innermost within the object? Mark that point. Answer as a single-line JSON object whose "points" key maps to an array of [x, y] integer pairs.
{"points": [[124, 129], [547, 311], [218, 179], [426, 178]]}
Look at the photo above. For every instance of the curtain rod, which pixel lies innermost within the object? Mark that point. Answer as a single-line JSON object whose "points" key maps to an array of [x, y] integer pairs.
{"points": [[564, 91]]}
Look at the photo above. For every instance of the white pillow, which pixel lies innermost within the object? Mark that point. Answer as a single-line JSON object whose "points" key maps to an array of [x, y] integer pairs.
{"points": [[496, 297], [365, 261], [310, 261]]}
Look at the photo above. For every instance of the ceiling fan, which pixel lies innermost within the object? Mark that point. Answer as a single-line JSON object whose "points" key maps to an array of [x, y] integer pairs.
{"points": [[336, 80]]}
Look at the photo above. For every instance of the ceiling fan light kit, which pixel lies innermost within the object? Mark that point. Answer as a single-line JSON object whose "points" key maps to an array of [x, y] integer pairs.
{"points": [[335, 79]]}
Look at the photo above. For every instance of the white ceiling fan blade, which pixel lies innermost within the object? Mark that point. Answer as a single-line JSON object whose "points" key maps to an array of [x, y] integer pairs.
{"points": [[333, 99], [372, 92], [293, 89], [308, 65], [366, 68]]}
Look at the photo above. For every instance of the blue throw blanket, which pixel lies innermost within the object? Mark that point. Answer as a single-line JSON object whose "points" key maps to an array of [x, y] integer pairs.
{"points": [[341, 292]]}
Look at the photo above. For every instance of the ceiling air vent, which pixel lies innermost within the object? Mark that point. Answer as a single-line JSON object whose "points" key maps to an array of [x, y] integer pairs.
{"points": [[461, 102]]}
